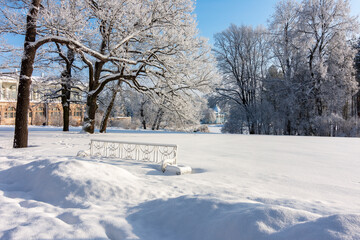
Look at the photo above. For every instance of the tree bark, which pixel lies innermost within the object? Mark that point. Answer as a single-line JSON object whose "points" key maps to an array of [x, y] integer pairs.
{"points": [[27, 62], [65, 102], [66, 117], [91, 102], [108, 111], [66, 87], [158, 118], [142, 114], [358, 104], [288, 127], [89, 118]]}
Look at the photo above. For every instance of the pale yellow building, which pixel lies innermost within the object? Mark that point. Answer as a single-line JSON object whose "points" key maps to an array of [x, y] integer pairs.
{"points": [[41, 112]]}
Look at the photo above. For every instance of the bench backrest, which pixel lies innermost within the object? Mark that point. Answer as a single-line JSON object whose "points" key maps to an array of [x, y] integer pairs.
{"points": [[131, 150]]}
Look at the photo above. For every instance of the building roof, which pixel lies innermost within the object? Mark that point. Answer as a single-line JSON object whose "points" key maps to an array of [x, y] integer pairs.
{"points": [[217, 109]]}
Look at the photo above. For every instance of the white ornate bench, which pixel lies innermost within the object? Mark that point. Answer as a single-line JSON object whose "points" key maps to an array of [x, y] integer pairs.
{"points": [[164, 154]]}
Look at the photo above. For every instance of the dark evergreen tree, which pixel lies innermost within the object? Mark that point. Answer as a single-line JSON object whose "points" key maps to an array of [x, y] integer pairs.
{"points": [[357, 68]]}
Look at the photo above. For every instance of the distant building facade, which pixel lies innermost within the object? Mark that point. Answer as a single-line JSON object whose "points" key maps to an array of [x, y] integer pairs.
{"points": [[219, 116], [40, 112]]}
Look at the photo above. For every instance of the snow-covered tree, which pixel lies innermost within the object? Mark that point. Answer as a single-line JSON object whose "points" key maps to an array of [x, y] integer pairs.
{"points": [[26, 18], [154, 112], [356, 97], [310, 42], [114, 92], [140, 43], [310, 84], [287, 48], [242, 53], [326, 26], [143, 44], [65, 86], [23, 100], [284, 39]]}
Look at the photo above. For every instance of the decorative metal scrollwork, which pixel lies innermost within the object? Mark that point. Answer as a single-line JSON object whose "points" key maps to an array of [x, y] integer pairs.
{"points": [[135, 151]]}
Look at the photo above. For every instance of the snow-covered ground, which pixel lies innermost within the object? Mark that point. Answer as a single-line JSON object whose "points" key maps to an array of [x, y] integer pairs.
{"points": [[242, 187]]}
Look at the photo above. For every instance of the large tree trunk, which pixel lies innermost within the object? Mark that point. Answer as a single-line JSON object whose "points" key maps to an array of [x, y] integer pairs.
{"points": [[66, 87], [91, 102], [142, 114], [89, 118], [27, 62], [65, 102]]}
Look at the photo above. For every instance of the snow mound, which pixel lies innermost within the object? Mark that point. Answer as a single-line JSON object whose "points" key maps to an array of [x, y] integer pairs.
{"points": [[334, 227], [71, 183], [194, 218]]}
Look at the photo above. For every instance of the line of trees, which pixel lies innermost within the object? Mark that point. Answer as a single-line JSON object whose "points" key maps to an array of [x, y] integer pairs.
{"points": [[148, 114], [150, 46], [296, 77]]}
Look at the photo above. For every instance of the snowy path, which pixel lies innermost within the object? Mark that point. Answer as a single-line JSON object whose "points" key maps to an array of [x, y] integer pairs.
{"points": [[243, 187]]}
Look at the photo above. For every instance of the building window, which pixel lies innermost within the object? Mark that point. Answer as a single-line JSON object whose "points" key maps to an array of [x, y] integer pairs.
{"points": [[78, 112], [55, 112], [39, 111], [12, 92], [10, 113]]}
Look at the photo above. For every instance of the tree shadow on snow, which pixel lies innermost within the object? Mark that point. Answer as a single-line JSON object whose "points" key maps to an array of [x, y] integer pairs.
{"points": [[119, 162], [153, 169]]}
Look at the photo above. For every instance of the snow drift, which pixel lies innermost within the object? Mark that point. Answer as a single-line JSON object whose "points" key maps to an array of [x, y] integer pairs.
{"points": [[196, 218], [72, 184], [243, 187]]}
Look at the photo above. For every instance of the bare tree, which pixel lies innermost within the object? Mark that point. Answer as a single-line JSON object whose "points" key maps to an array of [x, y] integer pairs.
{"points": [[66, 85], [323, 23], [155, 48], [67, 88], [284, 90], [162, 36], [242, 53], [113, 93]]}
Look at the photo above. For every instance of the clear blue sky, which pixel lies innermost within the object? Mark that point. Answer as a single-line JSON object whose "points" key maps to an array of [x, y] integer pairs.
{"points": [[214, 16]]}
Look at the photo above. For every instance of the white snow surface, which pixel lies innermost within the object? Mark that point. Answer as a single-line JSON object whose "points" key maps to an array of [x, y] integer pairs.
{"points": [[242, 187]]}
